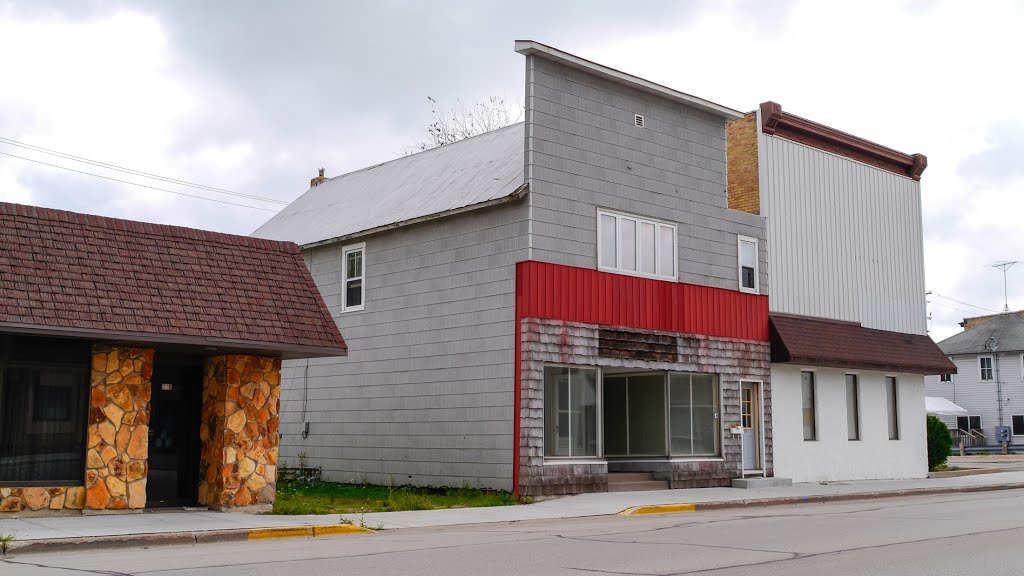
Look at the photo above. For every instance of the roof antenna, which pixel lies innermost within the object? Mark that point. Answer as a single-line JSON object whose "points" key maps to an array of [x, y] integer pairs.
{"points": [[1004, 266]]}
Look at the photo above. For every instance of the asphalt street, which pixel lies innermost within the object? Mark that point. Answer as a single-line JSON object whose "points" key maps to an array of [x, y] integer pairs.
{"points": [[955, 534]]}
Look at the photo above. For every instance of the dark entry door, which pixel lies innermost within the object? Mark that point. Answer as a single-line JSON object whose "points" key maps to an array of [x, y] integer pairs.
{"points": [[174, 446]]}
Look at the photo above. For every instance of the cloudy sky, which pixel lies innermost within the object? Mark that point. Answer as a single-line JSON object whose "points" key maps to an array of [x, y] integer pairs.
{"points": [[253, 97]]}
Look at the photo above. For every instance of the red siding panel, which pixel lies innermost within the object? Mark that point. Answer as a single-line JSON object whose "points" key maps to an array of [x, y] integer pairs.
{"points": [[574, 294]]}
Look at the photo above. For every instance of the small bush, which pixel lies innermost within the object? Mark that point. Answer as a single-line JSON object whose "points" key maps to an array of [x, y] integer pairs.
{"points": [[940, 442]]}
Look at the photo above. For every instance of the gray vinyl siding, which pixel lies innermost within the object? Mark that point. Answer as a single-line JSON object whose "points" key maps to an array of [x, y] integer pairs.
{"points": [[846, 238], [981, 398], [425, 395], [583, 152]]}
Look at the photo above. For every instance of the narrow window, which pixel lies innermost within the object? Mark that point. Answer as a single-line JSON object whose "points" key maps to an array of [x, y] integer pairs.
{"points": [[985, 366], [570, 412], [946, 378], [810, 407], [748, 264], [1018, 425], [636, 246], [354, 289], [852, 408], [892, 402]]}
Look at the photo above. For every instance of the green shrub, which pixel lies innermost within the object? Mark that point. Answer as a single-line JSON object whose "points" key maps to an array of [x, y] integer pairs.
{"points": [[940, 442]]}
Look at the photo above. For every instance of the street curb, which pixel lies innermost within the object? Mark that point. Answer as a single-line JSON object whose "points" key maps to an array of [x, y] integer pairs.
{"points": [[165, 538], [817, 499]]}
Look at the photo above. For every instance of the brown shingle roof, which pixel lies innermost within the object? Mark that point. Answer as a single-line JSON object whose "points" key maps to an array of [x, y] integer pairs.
{"points": [[73, 273], [838, 344]]}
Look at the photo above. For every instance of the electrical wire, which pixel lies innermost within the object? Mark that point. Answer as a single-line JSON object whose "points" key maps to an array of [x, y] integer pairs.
{"points": [[964, 303], [952, 307], [136, 183], [132, 171]]}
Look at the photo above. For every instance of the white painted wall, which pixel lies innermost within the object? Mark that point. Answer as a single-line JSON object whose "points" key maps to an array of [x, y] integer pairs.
{"points": [[832, 456], [844, 238]]}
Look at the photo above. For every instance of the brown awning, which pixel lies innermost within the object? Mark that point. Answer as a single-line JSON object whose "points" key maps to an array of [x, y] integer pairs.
{"points": [[839, 344]]}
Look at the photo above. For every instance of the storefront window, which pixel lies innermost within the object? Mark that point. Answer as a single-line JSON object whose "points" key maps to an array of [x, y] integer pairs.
{"points": [[693, 414], [570, 412], [44, 390]]}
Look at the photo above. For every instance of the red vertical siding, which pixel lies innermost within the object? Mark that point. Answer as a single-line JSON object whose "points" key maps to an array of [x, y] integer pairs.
{"points": [[574, 294]]}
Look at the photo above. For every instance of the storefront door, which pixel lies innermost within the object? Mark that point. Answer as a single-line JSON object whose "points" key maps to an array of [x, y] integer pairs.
{"points": [[750, 419], [174, 445]]}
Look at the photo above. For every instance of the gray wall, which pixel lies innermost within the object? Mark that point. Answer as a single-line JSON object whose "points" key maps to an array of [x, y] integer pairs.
{"points": [[425, 396], [846, 238], [981, 398], [584, 152]]}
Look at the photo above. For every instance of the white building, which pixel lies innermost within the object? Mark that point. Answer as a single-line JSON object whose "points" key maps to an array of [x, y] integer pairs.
{"points": [[989, 379], [848, 327]]}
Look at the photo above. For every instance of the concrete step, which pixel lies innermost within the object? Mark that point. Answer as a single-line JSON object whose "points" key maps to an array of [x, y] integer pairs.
{"points": [[772, 482], [638, 486], [629, 477]]}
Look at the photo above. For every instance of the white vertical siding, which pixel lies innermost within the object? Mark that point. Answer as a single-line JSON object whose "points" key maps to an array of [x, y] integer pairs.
{"points": [[845, 237]]}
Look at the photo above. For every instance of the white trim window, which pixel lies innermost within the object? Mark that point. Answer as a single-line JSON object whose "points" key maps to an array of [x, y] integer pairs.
{"points": [[985, 368], [747, 267], [353, 272], [892, 407], [1017, 420], [1022, 366], [637, 246], [949, 377]]}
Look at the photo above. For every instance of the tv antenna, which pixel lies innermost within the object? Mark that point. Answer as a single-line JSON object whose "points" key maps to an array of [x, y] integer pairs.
{"points": [[1004, 266]]}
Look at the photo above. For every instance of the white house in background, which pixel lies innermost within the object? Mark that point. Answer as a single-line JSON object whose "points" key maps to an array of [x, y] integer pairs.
{"points": [[989, 380], [847, 309]]}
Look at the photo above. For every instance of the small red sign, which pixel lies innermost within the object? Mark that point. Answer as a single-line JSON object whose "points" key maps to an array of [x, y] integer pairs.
{"points": [[166, 386]]}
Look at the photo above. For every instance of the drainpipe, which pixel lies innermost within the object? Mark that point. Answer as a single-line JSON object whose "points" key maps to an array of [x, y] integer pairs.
{"points": [[999, 387]]}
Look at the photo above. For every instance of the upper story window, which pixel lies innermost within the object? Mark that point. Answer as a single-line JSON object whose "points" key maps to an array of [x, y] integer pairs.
{"points": [[749, 281], [985, 367], [353, 288], [632, 245]]}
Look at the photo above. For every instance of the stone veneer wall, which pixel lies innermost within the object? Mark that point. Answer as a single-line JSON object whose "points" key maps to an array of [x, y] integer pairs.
{"points": [[555, 341], [241, 399], [116, 463]]}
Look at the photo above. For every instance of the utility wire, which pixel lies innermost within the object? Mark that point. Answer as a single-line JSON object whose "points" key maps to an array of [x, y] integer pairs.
{"points": [[132, 171], [953, 307], [137, 184], [964, 303]]}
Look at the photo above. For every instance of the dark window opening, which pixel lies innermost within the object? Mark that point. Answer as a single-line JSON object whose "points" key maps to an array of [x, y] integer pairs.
{"points": [[44, 391]]}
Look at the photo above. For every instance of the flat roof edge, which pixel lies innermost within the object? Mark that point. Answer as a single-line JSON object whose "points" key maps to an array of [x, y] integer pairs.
{"points": [[530, 47]]}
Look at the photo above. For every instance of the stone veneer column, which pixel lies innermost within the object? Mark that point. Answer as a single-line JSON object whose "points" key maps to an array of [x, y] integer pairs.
{"points": [[241, 398], [116, 462]]}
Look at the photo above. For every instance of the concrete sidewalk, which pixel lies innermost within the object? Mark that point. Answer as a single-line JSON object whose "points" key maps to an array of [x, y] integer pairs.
{"points": [[142, 528]]}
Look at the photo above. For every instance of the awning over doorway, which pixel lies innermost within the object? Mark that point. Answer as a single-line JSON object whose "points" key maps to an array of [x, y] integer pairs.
{"points": [[939, 406], [840, 344]]}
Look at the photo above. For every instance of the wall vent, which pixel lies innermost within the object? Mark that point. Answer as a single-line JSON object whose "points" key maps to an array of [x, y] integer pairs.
{"points": [[638, 119]]}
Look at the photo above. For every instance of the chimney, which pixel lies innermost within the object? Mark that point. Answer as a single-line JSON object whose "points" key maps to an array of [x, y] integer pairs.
{"points": [[318, 180]]}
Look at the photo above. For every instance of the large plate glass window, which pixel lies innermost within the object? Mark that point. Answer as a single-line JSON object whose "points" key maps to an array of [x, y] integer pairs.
{"points": [[354, 269], [633, 245], [570, 412], [44, 393], [748, 269], [693, 414]]}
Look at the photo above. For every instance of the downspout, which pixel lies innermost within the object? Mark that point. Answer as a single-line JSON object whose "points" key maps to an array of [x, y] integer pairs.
{"points": [[999, 387]]}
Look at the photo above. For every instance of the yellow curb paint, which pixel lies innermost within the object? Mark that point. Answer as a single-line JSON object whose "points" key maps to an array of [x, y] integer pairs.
{"points": [[285, 532], [658, 509], [328, 529]]}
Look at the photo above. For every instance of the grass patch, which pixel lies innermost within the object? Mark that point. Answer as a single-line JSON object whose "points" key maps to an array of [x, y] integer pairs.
{"points": [[335, 498]]}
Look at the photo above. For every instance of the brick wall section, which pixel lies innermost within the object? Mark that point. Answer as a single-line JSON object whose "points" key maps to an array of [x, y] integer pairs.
{"points": [[741, 161], [241, 402], [116, 462], [555, 341]]}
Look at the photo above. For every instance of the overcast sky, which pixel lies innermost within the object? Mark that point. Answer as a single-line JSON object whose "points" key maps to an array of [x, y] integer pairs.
{"points": [[253, 97]]}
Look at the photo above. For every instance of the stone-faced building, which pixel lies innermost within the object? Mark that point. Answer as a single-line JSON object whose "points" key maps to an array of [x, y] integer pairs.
{"points": [[140, 363]]}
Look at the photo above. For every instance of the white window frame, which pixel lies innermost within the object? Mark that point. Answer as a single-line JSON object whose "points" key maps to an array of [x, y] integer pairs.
{"points": [[658, 225], [757, 264], [949, 377], [345, 251], [1022, 366], [599, 416], [981, 424], [1012, 416], [991, 368]]}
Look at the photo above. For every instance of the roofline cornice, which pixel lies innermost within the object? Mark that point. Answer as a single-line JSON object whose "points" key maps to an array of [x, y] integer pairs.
{"points": [[775, 122]]}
